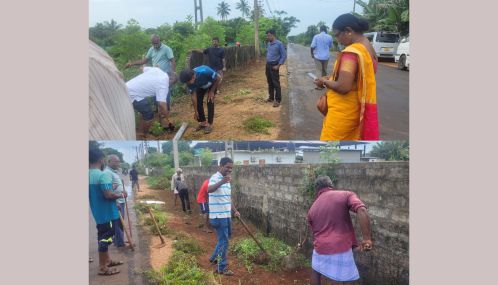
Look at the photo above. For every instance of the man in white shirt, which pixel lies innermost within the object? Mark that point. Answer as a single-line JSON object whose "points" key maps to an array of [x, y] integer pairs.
{"points": [[179, 173], [220, 206], [153, 82]]}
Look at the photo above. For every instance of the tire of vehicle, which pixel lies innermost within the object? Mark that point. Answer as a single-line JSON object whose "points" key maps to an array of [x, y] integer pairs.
{"points": [[402, 62]]}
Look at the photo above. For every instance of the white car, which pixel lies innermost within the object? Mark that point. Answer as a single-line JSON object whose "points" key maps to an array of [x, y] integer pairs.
{"points": [[402, 56], [384, 43]]}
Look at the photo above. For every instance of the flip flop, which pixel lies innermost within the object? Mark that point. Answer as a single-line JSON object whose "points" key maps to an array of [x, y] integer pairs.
{"points": [[199, 127], [91, 259], [115, 263], [109, 271], [208, 130]]}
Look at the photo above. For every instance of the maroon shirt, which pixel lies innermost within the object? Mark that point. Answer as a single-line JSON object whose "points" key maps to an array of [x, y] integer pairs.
{"points": [[330, 221]]}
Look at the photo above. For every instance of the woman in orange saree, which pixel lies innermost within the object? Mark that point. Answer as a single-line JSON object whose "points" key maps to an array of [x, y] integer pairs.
{"points": [[351, 89]]}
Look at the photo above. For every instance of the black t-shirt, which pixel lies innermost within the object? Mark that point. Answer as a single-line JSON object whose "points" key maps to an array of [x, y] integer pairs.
{"points": [[215, 56], [134, 174]]}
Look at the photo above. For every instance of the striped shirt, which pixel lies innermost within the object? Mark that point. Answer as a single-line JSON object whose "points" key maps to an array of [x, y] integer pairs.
{"points": [[220, 201]]}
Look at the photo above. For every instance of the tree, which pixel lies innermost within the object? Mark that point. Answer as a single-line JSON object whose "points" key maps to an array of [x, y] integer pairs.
{"points": [[387, 15], [186, 158], [109, 150], [183, 146], [391, 150], [212, 28], [151, 149], [131, 44], [206, 157], [223, 10], [243, 6], [94, 145]]}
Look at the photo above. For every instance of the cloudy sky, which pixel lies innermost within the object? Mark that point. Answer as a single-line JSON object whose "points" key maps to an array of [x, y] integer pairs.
{"points": [[153, 13]]}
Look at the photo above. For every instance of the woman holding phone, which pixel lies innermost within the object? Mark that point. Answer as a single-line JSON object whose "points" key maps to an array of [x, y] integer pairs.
{"points": [[351, 89]]}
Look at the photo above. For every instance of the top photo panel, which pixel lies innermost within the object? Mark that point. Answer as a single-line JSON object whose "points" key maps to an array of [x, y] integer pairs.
{"points": [[247, 70]]}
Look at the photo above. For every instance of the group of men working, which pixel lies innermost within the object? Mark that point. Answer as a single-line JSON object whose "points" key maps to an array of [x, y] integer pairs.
{"points": [[157, 81], [203, 81], [329, 219]]}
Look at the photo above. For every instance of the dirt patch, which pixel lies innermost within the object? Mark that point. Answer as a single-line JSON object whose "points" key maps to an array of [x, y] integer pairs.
{"points": [[242, 95], [188, 224], [159, 253]]}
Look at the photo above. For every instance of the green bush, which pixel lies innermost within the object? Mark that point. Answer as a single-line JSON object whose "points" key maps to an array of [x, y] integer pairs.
{"points": [[156, 129], [158, 182], [258, 124], [247, 250], [181, 269], [187, 244]]}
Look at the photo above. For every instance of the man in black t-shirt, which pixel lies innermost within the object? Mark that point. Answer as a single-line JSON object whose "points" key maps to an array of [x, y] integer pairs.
{"points": [[216, 57], [134, 178]]}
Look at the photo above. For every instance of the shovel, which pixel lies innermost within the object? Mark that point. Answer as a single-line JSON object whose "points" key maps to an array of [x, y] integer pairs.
{"points": [[126, 231], [157, 227]]}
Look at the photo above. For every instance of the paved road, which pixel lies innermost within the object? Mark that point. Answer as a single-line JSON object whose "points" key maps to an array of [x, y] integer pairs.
{"points": [[306, 121], [134, 261]]}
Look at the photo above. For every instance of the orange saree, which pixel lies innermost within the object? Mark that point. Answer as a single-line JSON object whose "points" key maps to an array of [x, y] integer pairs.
{"points": [[353, 116]]}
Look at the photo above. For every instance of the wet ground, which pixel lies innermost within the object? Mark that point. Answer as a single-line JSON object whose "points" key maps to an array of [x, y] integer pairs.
{"points": [[306, 121], [134, 261]]}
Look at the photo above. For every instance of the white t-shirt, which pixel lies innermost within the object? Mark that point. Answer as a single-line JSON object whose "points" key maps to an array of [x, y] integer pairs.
{"points": [[152, 82]]}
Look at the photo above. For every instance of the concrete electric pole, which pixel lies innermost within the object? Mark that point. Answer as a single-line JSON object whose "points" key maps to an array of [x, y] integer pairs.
{"points": [[198, 7], [256, 29]]}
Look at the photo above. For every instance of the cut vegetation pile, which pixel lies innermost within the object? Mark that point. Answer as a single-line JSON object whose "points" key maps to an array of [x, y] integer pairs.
{"points": [[248, 252], [160, 216], [258, 124]]}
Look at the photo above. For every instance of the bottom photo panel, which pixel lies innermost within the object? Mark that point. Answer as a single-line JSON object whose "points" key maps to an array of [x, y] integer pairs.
{"points": [[248, 212]]}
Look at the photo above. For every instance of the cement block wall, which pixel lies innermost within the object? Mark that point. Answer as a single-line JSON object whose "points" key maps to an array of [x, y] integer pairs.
{"points": [[271, 198]]}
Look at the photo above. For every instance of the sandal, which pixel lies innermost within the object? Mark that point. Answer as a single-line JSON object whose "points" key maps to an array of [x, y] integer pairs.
{"points": [[91, 259], [115, 263], [208, 130], [199, 127], [109, 271]]}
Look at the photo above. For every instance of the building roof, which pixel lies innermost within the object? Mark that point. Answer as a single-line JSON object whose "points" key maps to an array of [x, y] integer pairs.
{"points": [[216, 146]]}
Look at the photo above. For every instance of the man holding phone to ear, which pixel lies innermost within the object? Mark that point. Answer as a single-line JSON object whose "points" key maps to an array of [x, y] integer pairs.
{"points": [[220, 207]]}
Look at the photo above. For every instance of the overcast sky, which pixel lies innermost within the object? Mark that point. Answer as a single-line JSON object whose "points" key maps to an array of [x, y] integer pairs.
{"points": [[153, 13]]}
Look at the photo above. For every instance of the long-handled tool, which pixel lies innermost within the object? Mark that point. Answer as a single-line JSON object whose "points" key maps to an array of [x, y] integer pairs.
{"points": [[127, 212], [126, 232], [262, 258], [155, 224]]}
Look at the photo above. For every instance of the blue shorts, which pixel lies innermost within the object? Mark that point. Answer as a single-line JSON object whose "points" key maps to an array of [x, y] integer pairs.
{"points": [[204, 208], [105, 232]]}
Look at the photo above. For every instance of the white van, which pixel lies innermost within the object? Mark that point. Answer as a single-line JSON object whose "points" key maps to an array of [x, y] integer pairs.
{"points": [[384, 43], [402, 56]]}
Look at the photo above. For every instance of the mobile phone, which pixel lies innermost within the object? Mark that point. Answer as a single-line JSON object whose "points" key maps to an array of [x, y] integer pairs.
{"points": [[312, 75]]}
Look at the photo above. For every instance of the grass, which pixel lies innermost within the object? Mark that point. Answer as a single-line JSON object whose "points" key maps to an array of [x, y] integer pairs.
{"points": [[158, 182], [240, 95], [156, 129], [181, 269], [247, 250], [160, 216], [187, 244], [258, 124]]}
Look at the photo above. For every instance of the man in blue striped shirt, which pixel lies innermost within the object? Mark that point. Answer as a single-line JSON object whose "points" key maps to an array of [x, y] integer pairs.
{"points": [[275, 57], [220, 202]]}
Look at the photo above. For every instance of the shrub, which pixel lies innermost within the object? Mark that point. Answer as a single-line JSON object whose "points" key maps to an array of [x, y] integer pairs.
{"points": [[181, 269], [258, 124]]}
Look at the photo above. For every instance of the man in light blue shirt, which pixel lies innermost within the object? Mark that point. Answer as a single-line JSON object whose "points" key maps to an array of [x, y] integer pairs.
{"points": [[320, 50], [275, 57], [160, 55], [220, 213]]}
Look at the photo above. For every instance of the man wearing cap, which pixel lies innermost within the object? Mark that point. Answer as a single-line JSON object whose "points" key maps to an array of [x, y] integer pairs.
{"points": [[179, 173]]}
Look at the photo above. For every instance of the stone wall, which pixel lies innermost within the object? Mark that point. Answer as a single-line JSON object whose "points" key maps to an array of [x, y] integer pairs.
{"points": [[271, 197], [235, 57]]}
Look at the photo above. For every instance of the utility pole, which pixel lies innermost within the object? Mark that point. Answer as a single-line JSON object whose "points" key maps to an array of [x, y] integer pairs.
{"points": [[256, 29], [198, 7], [354, 5]]}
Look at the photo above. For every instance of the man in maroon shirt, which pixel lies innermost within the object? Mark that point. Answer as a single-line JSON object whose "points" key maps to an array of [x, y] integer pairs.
{"points": [[333, 233]]}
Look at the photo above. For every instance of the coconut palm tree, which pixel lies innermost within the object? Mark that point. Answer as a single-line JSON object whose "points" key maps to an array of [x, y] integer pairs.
{"points": [[243, 6], [223, 10], [391, 15]]}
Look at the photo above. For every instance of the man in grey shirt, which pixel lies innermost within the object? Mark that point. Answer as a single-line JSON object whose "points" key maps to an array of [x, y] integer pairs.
{"points": [[113, 164]]}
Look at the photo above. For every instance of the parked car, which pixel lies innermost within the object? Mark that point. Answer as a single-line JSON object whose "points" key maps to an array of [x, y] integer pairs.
{"points": [[384, 43], [402, 56]]}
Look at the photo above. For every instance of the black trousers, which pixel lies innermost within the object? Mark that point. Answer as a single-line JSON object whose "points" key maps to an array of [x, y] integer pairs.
{"points": [[273, 78], [200, 108], [184, 197]]}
